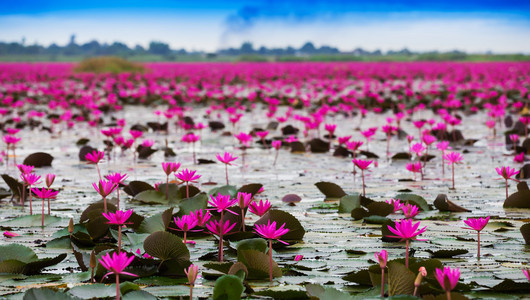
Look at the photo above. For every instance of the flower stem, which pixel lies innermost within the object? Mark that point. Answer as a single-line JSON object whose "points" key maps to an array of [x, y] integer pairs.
{"points": [[382, 282], [30, 204], [226, 173], [105, 204], [270, 260], [221, 246], [99, 172], [117, 286], [506, 188], [453, 167], [276, 157], [448, 295], [167, 188], [119, 238], [118, 193], [191, 291], [42, 213], [362, 175], [478, 245], [407, 254], [187, 189], [243, 219], [185, 232]]}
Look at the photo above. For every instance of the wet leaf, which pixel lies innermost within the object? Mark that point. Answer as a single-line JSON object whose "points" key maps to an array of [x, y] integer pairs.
{"points": [[134, 187], [127, 287], [46, 293], [400, 279], [324, 293], [348, 203], [38, 160], [382, 209], [252, 188], [199, 201], [96, 290], [224, 190], [17, 252], [414, 199], [296, 231], [139, 295], [158, 222], [165, 246], [228, 287], [447, 253], [525, 231], [257, 264], [331, 190]]}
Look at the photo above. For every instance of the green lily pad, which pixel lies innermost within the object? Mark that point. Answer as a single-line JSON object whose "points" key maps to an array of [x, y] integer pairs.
{"points": [[139, 295], [127, 287], [296, 231], [331, 190], [46, 293], [375, 219], [35, 267], [158, 222], [31, 221], [134, 187], [283, 294], [257, 244], [17, 252], [323, 292], [257, 264], [417, 200], [251, 188], [348, 203], [228, 287], [164, 245], [151, 197], [222, 267], [447, 253], [96, 290], [199, 201], [400, 279], [382, 209], [224, 190], [160, 281]]}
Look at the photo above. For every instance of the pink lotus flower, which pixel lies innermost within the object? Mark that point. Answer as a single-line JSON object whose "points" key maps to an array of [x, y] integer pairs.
{"points": [[405, 230], [507, 173], [298, 257], [276, 144], [118, 218], [477, 224], [192, 272], [220, 228], [187, 176], [10, 139], [222, 203], [447, 278], [50, 178], [186, 223], [396, 203], [43, 194], [135, 133], [344, 139], [452, 159], [382, 258], [414, 168], [9, 234], [190, 138], [260, 208], [29, 179], [226, 159], [145, 255], [116, 264], [270, 232], [24, 169], [526, 273], [519, 158], [363, 165], [201, 216], [95, 157], [104, 188], [170, 167], [410, 211], [417, 148], [148, 143], [244, 138]]}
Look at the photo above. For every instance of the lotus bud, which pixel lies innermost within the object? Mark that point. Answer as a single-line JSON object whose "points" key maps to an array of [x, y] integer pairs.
{"points": [[93, 260], [71, 226]]}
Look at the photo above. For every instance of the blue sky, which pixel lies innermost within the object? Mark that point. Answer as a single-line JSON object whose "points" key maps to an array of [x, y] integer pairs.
{"points": [[473, 26]]}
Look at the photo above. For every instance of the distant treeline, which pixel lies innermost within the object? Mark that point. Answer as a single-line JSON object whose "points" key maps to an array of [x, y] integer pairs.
{"points": [[160, 51]]}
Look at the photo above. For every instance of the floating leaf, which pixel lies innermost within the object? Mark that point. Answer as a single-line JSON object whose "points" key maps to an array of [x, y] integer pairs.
{"points": [[447, 253], [39, 160], [330, 190], [297, 147], [414, 199], [165, 246], [151, 197], [442, 203], [400, 279], [510, 286], [17, 252], [224, 190], [324, 293], [283, 294], [361, 277], [318, 146], [257, 264], [158, 222], [199, 201], [525, 231], [240, 270], [375, 219], [134, 187], [348, 203], [257, 244], [296, 231], [382, 209], [222, 267], [46, 293], [35, 267], [96, 290], [139, 295], [31, 221], [359, 213], [228, 287], [401, 155], [95, 210], [519, 199], [252, 188], [291, 199]]}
